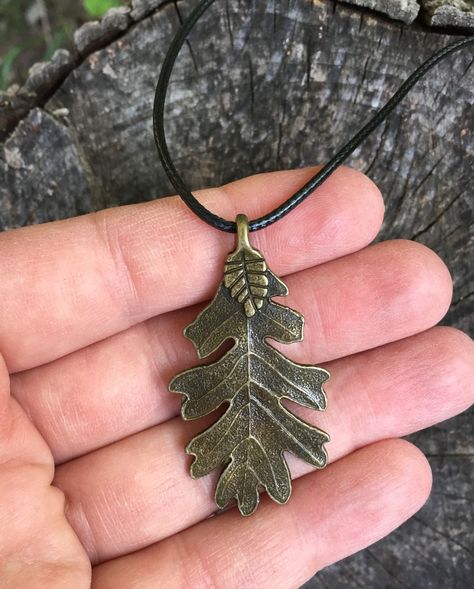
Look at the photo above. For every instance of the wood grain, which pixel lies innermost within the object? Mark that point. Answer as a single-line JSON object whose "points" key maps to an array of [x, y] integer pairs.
{"points": [[279, 85]]}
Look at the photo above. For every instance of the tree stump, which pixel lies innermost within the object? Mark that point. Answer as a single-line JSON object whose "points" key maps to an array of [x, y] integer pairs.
{"points": [[263, 86]]}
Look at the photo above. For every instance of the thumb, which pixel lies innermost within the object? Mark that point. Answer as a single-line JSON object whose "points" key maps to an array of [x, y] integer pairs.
{"points": [[20, 441], [4, 389], [37, 546]]}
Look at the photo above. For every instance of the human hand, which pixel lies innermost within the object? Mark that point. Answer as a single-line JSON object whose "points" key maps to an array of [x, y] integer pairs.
{"points": [[91, 325]]}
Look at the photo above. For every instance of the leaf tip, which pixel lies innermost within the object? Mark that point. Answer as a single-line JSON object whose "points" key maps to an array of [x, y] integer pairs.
{"points": [[324, 453], [276, 286], [248, 505], [248, 511], [193, 469], [189, 335], [172, 386]]}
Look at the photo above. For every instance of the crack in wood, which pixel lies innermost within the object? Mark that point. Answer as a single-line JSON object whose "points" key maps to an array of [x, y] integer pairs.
{"points": [[383, 566], [438, 217], [462, 299], [229, 24], [187, 42], [423, 522]]}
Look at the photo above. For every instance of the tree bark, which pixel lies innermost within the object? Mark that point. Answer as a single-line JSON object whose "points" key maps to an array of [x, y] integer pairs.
{"points": [[263, 86]]}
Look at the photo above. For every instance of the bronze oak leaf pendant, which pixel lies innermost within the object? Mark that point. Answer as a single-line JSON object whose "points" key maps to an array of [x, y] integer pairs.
{"points": [[251, 379]]}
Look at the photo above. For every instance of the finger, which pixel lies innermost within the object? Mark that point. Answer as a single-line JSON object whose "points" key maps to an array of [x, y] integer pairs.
{"points": [[332, 514], [138, 491], [68, 284], [37, 545], [119, 387]]}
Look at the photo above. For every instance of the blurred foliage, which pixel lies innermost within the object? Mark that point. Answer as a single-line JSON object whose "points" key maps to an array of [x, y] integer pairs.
{"points": [[6, 66], [97, 8], [31, 30]]}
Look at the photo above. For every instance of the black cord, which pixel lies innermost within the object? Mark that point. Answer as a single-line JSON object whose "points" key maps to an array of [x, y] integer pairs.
{"points": [[282, 210]]}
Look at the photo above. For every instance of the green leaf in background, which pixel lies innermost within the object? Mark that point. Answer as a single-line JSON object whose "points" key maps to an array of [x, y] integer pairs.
{"points": [[6, 65], [97, 8]]}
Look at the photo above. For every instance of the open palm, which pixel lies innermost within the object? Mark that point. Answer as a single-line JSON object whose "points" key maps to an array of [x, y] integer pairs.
{"points": [[91, 327]]}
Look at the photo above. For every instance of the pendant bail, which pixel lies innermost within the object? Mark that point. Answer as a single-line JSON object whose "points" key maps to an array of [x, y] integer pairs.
{"points": [[242, 223]]}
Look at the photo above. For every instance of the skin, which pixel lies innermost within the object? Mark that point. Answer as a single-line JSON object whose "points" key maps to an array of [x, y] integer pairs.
{"points": [[94, 483]]}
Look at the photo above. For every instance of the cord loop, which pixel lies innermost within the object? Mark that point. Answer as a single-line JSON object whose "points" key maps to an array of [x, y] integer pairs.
{"points": [[279, 212]]}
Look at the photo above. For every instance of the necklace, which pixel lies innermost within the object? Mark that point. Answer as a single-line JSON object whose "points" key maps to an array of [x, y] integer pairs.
{"points": [[252, 378]]}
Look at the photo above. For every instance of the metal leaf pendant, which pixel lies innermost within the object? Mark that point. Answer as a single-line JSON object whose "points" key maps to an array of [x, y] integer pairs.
{"points": [[251, 379]]}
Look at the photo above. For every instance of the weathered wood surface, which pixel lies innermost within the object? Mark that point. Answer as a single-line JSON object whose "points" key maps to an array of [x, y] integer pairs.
{"points": [[277, 85]]}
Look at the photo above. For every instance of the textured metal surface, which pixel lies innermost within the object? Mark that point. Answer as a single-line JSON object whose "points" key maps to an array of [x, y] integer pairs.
{"points": [[245, 274], [252, 378], [322, 67]]}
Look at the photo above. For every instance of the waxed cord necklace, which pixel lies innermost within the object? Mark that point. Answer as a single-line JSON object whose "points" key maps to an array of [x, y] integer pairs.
{"points": [[249, 439], [279, 212]]}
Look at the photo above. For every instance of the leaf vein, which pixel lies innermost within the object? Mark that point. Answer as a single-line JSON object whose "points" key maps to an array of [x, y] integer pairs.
{"points": [[214, 330], [228, 375], [282, 376], [237, 415], [290, 434]]}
